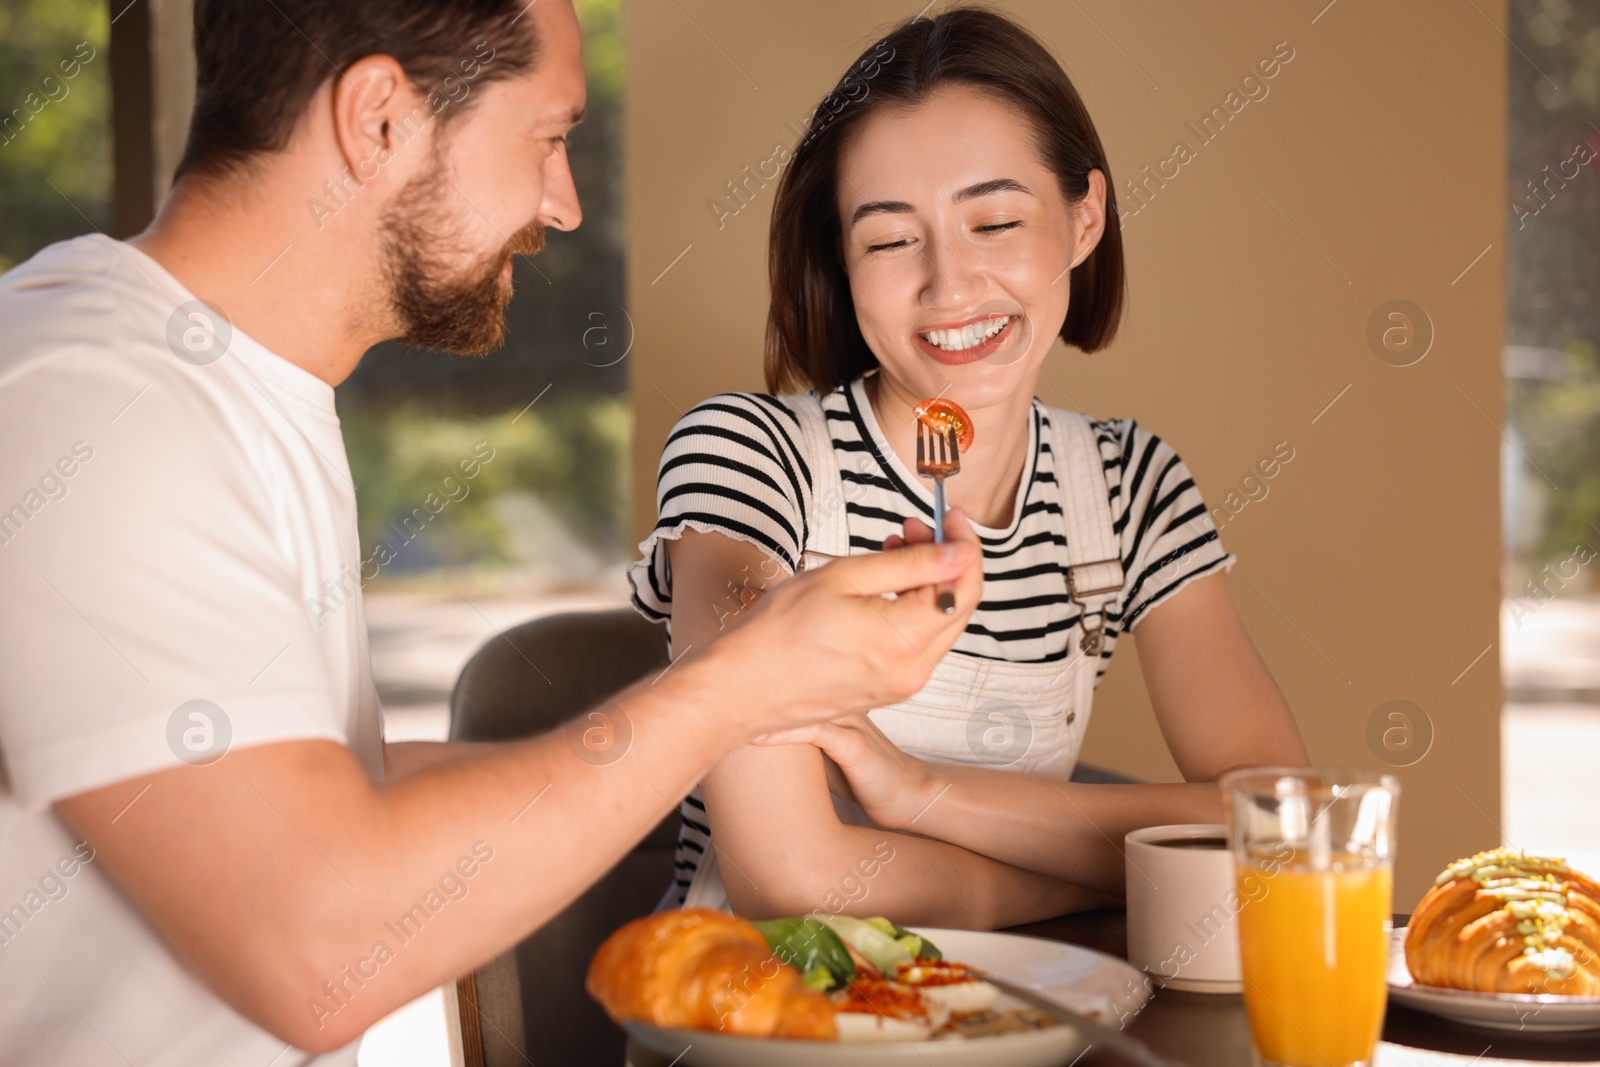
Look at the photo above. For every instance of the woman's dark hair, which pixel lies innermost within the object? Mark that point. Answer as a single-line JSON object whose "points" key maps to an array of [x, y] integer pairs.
{"points": [[258, 63], [813, 340]]}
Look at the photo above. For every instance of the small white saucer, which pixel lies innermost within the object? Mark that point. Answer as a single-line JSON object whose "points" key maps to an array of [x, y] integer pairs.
{"points": [[1532, 1013]]}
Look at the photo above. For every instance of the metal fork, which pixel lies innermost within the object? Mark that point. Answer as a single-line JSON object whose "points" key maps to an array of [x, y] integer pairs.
{"points": [[1091, 1031], [938, 457]]}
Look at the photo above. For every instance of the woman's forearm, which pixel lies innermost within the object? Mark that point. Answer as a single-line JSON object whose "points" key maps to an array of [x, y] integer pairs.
{"points": [[1218, 708], [913, 880], [1070, 831]]}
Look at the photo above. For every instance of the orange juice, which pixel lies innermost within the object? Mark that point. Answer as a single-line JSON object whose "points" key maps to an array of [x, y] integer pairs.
{"points": [[1314, 953]]}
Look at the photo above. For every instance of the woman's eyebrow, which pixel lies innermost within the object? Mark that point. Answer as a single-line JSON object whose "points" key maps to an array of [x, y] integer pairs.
{"points": [[880, 207], [993, 185], [900, 207]]}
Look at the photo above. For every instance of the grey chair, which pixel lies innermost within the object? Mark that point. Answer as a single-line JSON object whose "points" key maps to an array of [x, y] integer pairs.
{"points": [[528, 1006]]}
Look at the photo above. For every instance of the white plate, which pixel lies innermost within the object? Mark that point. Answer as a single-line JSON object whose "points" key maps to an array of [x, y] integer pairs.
{"points": [[1533, 1013], [1100, 986]]}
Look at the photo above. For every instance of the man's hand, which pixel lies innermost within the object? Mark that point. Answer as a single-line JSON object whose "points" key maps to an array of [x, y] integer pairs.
{"points": [[829, 642]]}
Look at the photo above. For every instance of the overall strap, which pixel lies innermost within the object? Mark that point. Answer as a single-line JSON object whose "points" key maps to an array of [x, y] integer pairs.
{"points": [[828, 531], [1094, 555]]}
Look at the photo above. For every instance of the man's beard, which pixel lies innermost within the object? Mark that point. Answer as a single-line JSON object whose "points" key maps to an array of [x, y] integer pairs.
{"points": [[437, 306]]}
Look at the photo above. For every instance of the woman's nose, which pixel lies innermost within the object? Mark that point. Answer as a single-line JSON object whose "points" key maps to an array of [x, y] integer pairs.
{"points": [[951, 279]]}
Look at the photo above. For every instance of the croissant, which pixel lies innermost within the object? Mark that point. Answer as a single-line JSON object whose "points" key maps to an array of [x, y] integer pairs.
{"points": [[701, 969], [1506, 922]]}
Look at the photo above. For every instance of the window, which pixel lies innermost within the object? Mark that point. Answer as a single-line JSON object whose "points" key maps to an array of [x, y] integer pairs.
{"points": [[1551, 459]]}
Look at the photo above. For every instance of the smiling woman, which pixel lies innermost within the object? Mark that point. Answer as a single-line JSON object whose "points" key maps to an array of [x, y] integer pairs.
{"points": [[813, 338], [932, 240]]}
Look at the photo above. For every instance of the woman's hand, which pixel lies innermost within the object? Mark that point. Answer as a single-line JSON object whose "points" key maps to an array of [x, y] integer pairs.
{"points": [[892, 787]]}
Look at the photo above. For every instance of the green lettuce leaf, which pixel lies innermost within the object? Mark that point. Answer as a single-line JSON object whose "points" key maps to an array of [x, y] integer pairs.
{"points": [[809, 945]]}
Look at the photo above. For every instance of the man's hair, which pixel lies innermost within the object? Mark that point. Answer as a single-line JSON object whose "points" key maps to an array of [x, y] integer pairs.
{"points": [[813, 339], [259, 62]]}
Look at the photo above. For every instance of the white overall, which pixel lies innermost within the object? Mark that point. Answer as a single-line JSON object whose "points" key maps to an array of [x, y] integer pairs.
{"points": [[1026, 717]]}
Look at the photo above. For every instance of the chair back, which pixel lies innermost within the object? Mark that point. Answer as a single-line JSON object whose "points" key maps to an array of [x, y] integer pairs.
{"points": [[536, 676], [529, 1005]]}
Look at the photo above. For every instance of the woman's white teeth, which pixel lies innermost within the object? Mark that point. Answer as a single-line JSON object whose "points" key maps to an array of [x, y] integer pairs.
{"points": [[968, 336]]}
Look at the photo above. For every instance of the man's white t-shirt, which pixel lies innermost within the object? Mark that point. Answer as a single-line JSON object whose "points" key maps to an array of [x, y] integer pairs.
{"points": [[176, 520]]}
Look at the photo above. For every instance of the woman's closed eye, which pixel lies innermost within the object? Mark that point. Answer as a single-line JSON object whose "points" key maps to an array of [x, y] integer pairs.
{"points": [[902, 242], [903, 239]]}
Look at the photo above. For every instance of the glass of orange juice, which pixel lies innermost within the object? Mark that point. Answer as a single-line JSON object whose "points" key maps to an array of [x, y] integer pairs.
{"points": [[1313, 856]]}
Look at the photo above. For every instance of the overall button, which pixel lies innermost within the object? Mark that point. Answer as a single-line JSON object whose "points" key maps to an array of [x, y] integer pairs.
{"points": [[1072, 716]]}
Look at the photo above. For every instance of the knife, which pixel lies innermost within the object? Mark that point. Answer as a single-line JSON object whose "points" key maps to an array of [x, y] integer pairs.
{"points": [[1095, 1033]]}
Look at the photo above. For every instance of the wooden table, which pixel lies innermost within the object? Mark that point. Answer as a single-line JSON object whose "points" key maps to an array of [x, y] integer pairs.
{"points": [[1206, 1029], [1210, 1029]]}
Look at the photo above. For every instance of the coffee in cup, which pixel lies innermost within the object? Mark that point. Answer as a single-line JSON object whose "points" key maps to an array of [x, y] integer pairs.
{"points": [[1183, 907]]}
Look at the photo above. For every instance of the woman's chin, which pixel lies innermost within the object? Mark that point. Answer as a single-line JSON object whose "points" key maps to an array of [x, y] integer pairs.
{"points": [[978, 384]]}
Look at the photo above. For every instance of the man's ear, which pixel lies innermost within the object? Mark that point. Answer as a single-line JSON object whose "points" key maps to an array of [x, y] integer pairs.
{"points": [[1089, 217], [377, 113]]}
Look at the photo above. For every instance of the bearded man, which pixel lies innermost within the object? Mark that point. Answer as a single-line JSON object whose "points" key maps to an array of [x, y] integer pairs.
{"points": [[206, 848]]}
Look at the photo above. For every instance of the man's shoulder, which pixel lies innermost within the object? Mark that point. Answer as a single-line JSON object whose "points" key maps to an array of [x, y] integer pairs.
{"points": [[85, 274], [81, 309], [62, 264], [95, 405], [94, 337]]}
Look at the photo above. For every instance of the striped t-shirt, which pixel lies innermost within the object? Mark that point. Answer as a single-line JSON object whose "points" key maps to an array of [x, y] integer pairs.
{"points": [[735, 465]]}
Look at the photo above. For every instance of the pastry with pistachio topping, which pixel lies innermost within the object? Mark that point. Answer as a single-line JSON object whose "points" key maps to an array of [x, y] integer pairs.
{"points": [[1506, 922]]}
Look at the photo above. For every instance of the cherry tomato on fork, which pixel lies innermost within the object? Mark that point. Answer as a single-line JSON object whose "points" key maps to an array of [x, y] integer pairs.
{"points": [[939, 414]]}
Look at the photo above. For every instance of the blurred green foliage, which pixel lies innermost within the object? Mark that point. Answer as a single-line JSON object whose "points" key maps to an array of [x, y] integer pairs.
{"points": [[1552, 262], [1560, 425], [53, 129], [572, 453]]}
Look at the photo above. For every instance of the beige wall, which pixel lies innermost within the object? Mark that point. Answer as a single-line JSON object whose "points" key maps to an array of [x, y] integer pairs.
{"points": [[1372, 171]]}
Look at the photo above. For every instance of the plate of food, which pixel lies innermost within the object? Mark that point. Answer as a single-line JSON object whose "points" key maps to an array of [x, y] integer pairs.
{"points": [[1503, 940], [706, 989]]}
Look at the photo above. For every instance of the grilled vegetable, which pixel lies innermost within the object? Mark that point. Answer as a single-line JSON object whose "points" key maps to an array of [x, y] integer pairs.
{"points": [[812, 948], [819, 978], [879, 948], [919, 947]]}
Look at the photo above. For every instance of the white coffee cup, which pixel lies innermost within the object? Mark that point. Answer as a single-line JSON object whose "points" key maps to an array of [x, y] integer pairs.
{"points": [[1183, 907]]}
